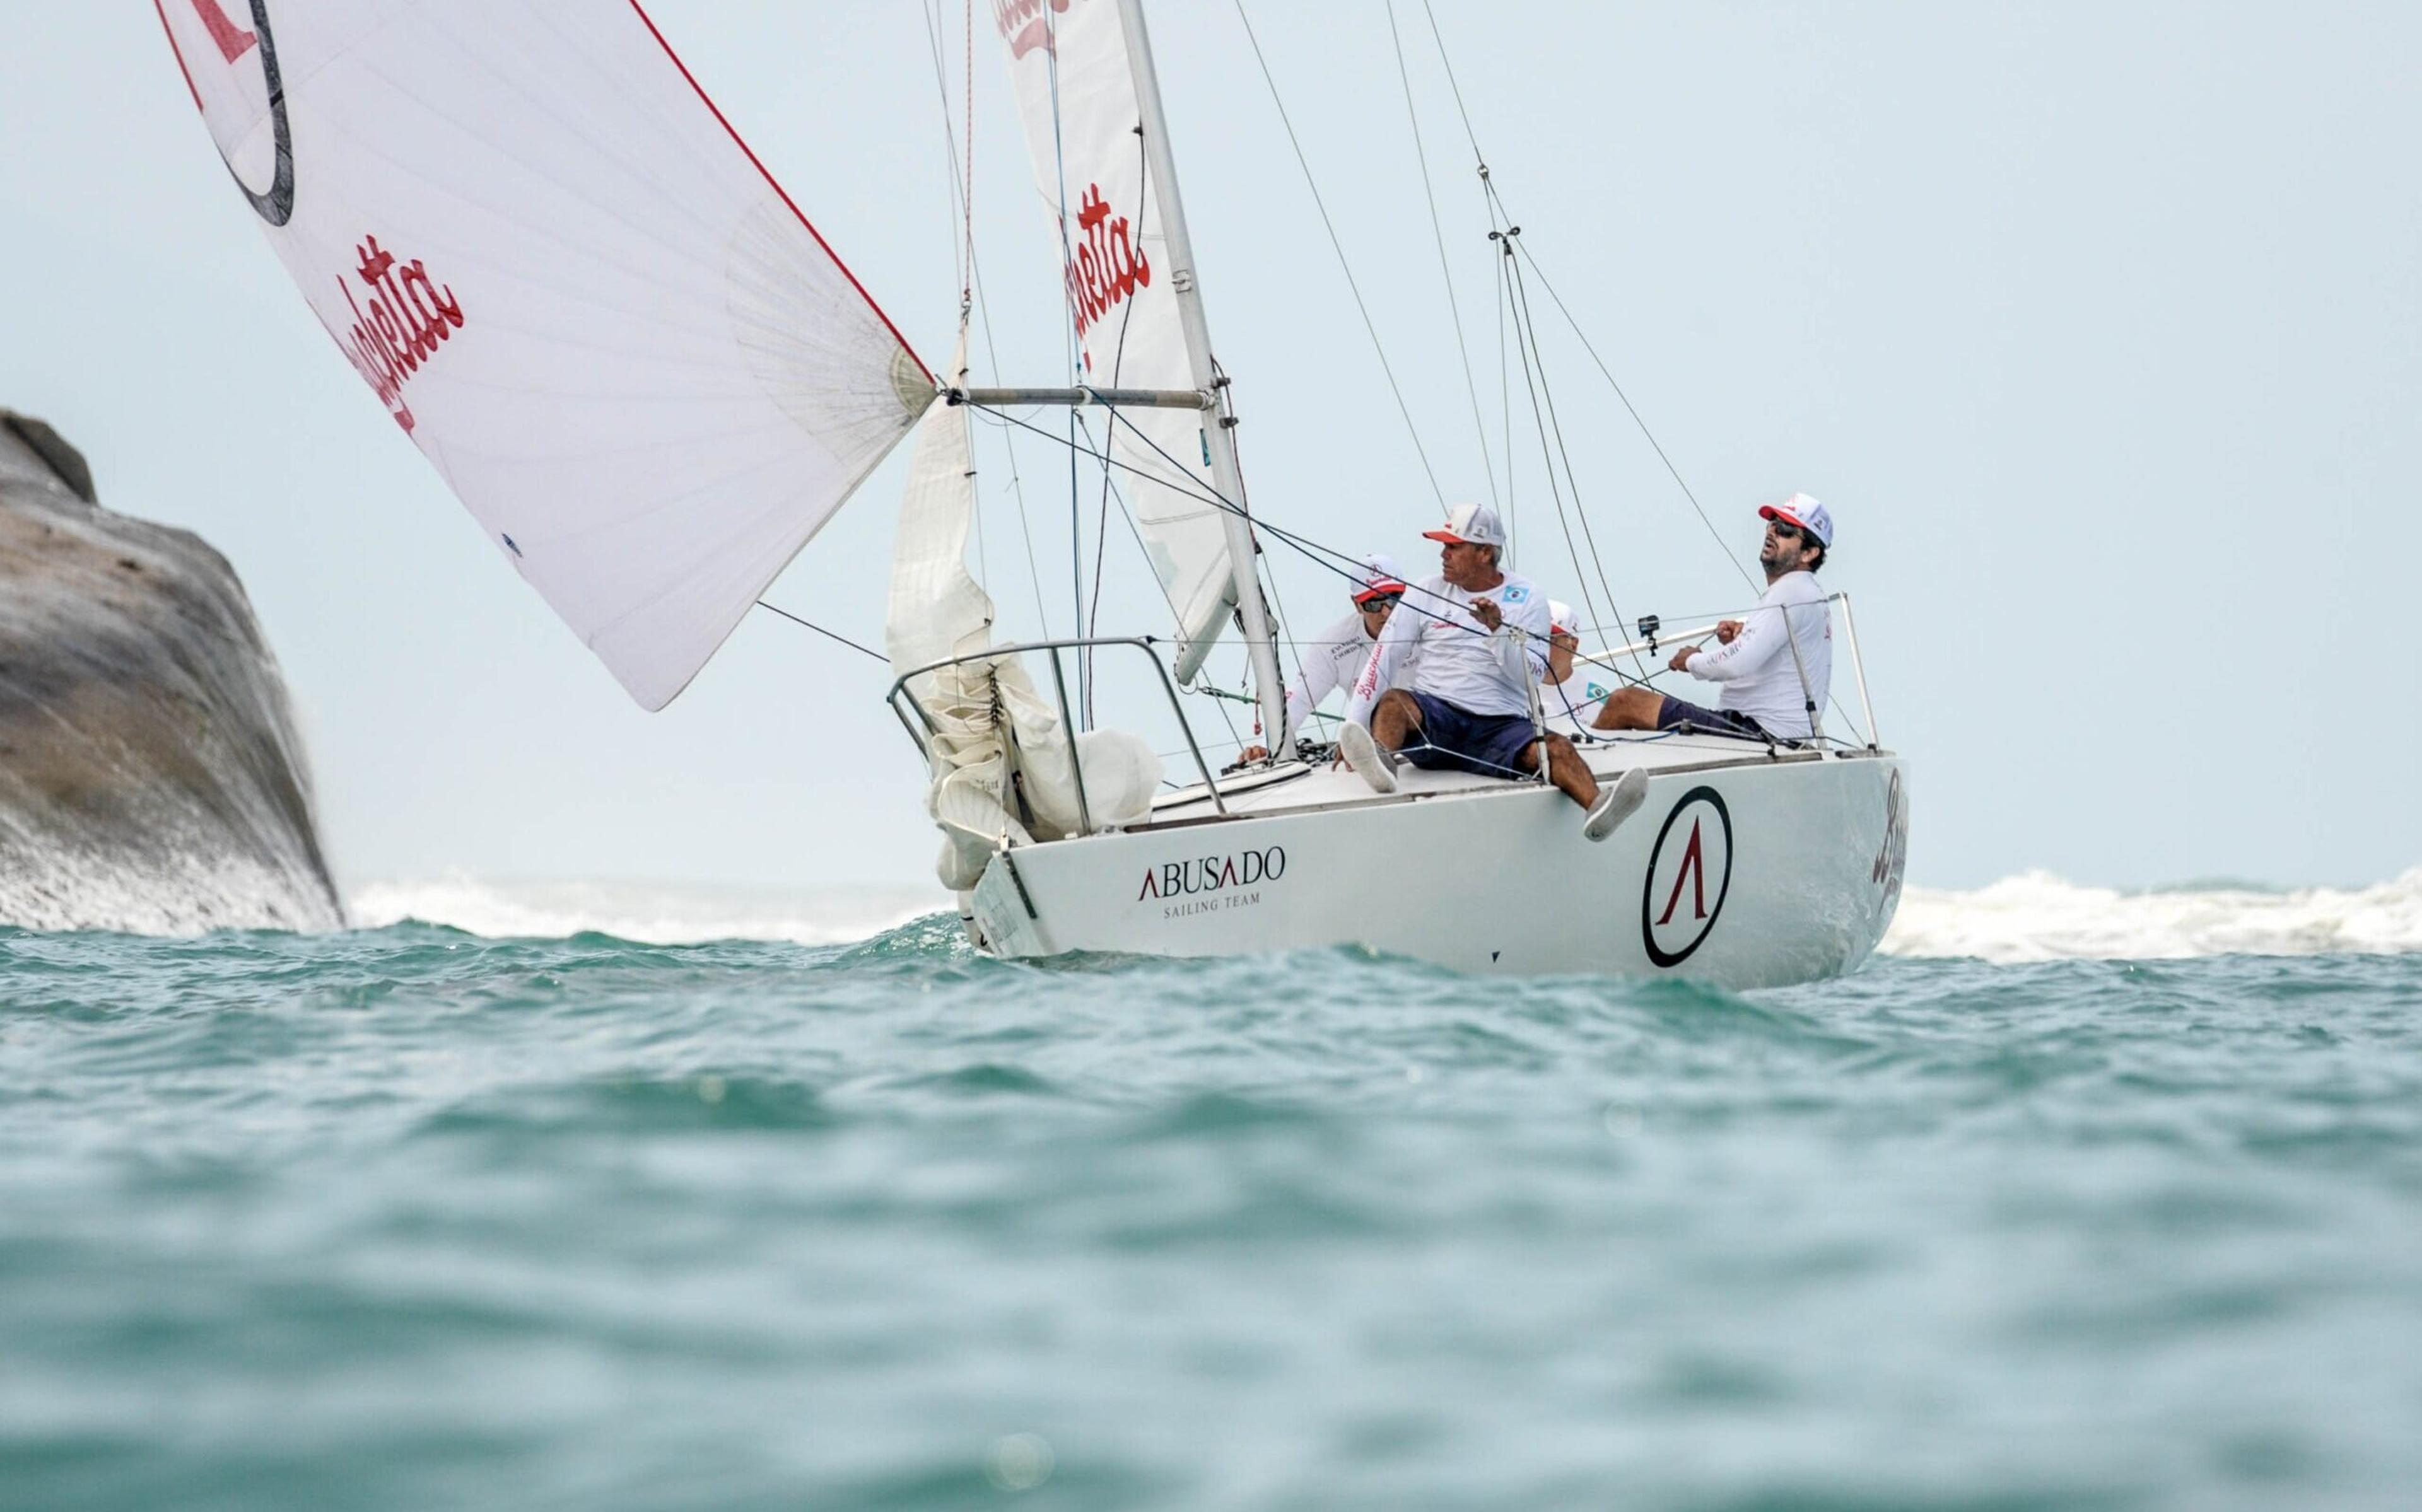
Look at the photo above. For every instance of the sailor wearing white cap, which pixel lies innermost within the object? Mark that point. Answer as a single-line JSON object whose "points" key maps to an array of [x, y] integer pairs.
{"points": [[1564, 639], [1566, 697], [1334, 658], [1774, 681], [1483, 637]]}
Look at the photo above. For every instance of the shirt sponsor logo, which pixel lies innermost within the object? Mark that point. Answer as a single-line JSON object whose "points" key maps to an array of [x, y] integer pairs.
{"points": [[1690, 874]]}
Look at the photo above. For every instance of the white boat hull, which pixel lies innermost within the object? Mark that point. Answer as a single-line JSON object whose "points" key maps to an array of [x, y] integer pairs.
{"points": [[1738, 870]]}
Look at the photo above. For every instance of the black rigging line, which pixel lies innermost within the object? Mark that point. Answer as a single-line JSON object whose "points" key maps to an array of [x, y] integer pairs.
{"points": [[1474, 137], [1526, 325], [1338, 246], [1446, 270], [1327, 558], [975, 285], [1548, 460], [1489, 187], [1647, 434], [1504, 394], [1118, 367], [825, 634]]}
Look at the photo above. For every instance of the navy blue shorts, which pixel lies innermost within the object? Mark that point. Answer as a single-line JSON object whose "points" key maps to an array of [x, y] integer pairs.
{"points": [[1457, 740], [1679, 713]]}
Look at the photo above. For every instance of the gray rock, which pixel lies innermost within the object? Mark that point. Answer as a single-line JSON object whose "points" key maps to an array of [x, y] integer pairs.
{"points": [[151, 777]]}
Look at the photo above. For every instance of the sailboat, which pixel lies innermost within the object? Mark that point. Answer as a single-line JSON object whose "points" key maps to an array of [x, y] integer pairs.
{"points": [[632, 357]]}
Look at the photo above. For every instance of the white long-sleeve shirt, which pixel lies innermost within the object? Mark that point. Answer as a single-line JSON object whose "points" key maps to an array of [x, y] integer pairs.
{"points": [[1459, 661], [1760, 675], [1332, 660]]}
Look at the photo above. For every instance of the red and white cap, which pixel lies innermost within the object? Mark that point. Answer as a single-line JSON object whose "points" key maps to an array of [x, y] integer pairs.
{"points": [[1377, 578], [1805, 513], [1561, 618], [1473, 525]]}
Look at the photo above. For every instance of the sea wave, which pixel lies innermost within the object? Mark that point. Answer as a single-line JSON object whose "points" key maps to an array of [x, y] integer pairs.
{"points": [[2038, 916], [2034, 917], [663, 914]]}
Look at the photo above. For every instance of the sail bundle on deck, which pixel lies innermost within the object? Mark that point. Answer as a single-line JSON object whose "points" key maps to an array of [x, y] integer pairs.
{"points": [[1004, 768], [626, 352]]}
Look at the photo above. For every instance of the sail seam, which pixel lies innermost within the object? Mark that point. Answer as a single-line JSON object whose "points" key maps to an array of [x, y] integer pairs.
{"points": [[775, 184]]}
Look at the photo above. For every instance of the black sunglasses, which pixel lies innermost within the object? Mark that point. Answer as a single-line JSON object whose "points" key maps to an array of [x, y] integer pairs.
{"points": [[1380, 601], [1787, 532]]}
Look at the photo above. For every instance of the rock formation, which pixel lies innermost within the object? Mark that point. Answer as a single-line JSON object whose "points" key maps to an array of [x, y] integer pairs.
{"points": [[151, 777]]}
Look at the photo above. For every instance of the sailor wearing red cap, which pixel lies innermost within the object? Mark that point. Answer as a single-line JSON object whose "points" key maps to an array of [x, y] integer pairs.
{"points": [[1773, 682], [1335, 657], [1482, 637]]}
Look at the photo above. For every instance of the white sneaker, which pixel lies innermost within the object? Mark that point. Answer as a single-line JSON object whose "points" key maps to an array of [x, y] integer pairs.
{"points": [[1369, 763], [1615, 804]]}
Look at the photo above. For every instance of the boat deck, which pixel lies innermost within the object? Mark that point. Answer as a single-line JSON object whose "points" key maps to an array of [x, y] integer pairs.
{"points": [[1293, 787]]}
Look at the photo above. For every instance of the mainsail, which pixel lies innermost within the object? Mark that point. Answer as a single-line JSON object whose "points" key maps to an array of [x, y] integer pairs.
{"points": [[1076, 94], [572, 284]]}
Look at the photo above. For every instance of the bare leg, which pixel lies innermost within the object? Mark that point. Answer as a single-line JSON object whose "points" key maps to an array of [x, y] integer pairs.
{"points": [[1630, 708], [1394, 719], [1565, 768]]}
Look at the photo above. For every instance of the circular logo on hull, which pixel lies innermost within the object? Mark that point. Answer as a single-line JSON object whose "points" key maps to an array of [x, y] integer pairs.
{"points": [[1690, 872]]}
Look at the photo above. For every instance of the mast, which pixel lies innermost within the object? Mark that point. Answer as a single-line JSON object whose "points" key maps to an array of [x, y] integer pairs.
{"points": [[1219, 436]]}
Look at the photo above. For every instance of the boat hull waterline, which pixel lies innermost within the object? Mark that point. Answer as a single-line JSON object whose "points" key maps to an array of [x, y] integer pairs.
{"points": [[1749, 874]]}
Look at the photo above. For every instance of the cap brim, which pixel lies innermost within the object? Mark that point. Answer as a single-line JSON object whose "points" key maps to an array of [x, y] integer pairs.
{"points": [[1768, 511], [1378, 590], [1447, 536]]}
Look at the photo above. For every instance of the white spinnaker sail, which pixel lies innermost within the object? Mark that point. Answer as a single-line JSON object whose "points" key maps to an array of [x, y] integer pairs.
{"points": [[603, 322], [1075, 93]]}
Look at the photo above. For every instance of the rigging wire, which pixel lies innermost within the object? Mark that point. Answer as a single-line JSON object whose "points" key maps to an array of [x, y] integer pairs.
{"points": [[1547, 463], [1446, 272], [1647, 434], [1076, 342], [1117, 369], [973, 273], [825, 634], [1368, 324], [1329, 559], [962, 191], [1504, 397], [1528, 329], [1489, 188]]}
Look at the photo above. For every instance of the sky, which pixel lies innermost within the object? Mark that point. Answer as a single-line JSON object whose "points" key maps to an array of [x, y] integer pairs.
{"points": [[2099, 328]]}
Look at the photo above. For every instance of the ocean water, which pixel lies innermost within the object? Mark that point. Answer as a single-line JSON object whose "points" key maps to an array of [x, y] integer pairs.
{"points": [[563, 1197]]}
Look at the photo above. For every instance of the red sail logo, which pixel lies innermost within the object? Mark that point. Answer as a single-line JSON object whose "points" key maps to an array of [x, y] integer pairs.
{"points": [[1025, 24], [399, 325], [1109, 264]]}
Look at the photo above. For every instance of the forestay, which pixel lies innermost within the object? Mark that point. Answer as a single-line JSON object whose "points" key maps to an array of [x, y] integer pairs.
{"points": [[1075, 93], [570, 283]]}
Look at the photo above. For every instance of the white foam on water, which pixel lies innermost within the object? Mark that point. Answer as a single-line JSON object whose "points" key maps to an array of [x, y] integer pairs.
{"points": [[651, 913], [2034, 917], [2038, 916]]}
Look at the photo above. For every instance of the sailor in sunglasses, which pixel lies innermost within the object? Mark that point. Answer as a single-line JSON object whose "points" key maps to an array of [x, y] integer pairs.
{"points": [[1332, 659], [1773, 682], [1485, 638]]}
